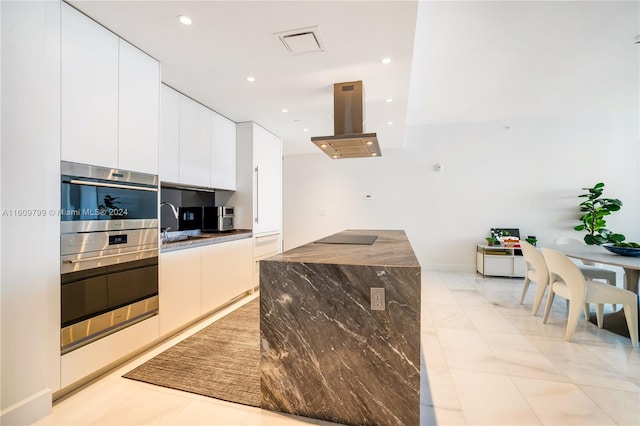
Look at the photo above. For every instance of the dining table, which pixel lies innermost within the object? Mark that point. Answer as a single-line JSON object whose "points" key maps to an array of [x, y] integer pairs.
{"points": [[614, 321]]}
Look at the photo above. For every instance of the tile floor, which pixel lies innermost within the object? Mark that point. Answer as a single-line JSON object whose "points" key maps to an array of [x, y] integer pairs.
{"points": [[486, 361]]}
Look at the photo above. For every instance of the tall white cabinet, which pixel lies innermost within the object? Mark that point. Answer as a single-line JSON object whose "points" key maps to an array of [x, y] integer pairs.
{"points": [[258, 199], [110, 97]]}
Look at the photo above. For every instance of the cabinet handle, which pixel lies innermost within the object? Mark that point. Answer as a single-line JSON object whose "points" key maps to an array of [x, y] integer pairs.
{"points": [[257, 219]]}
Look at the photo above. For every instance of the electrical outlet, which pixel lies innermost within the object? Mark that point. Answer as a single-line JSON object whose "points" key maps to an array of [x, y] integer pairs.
{"points": [[377, 299]]}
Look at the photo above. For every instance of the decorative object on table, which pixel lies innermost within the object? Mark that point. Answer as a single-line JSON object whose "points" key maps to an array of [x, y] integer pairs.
{"points": [[594, 210], [508, 237], [492, 241], [531, 239], [623, 249]]}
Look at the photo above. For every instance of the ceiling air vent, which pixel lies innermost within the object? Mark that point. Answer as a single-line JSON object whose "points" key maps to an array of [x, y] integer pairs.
{"points": [[303, 40]]}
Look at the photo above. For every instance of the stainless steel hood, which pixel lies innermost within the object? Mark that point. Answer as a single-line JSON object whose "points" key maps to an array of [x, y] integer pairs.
{"points": [[349, 139]]}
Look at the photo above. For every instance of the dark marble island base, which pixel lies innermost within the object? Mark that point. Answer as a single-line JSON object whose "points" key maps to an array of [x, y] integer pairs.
{"points": [[325, 353]]}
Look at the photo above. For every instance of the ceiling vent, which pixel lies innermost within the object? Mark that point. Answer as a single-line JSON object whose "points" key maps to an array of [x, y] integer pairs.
{"points": [[303, 40]]}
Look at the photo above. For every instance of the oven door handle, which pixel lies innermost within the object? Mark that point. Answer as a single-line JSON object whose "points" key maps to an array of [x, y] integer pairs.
{"points": [[111, 185], [67, 262]]}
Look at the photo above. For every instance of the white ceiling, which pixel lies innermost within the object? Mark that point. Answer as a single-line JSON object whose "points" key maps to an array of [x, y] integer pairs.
{"points": [[230, 40], [452, 61]]}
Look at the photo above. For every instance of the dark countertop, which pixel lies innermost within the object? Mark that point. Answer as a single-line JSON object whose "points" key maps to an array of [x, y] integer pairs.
{"points": [[391, 248], [195, 239]]}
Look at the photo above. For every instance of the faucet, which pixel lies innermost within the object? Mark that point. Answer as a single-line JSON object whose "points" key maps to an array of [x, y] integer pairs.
{"points": [[165, 232], [173, 208]]}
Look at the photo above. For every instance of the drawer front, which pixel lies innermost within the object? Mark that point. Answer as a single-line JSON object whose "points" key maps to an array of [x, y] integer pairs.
{"points": [[267, 245], [498, 265]]}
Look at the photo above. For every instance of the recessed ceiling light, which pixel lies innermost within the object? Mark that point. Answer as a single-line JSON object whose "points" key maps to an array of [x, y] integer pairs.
{"points": [[334, 156], [251, 79], [306, 130], [390, 123], [185, 20], [369, 143], [373, 154], [386, 61], [324, 145], [388, 100], [285, 110]]}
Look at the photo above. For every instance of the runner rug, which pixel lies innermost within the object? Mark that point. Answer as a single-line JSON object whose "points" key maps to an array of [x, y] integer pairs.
{"points": [[221, 361]]}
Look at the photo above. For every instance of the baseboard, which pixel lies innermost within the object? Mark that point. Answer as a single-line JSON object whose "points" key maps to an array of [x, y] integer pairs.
{"points": [[29, 410]]}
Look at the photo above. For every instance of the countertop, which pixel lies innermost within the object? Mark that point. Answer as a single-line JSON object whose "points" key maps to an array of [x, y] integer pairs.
{"points": [[391, 248], [185, 240]]}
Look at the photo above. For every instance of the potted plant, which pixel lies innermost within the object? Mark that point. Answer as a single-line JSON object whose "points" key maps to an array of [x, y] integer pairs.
{"points": [[594, 210], [531, 239], [492, 241]]}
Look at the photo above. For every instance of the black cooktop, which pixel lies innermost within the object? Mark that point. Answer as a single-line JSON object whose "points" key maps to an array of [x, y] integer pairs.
{"points": [[348, 239]]}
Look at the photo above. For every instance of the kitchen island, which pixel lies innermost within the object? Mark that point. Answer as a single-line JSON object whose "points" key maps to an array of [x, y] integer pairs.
{"points": [[331, 347]]}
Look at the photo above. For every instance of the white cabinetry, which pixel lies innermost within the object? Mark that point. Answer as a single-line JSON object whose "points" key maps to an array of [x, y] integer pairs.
{"points": [[226, 272], [179, 288], [500, 261], [139, 101], [258, 199], [195, 281], [110, 98], [89, 116], [169, 135], [195, 143], [223, 153]]}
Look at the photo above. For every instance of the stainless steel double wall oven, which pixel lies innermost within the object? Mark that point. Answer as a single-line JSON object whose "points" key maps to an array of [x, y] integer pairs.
{"points": [[109, 251]]}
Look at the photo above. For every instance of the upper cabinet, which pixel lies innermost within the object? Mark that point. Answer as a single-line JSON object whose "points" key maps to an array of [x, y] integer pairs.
{"points": [[169, 134], [139, 104], [258, 200], [223, 153], [89, 117], [110, 98], [197, 145]]}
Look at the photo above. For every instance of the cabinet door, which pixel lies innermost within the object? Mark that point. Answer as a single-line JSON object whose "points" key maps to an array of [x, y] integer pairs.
{"points": [[179, 288], [169, 134], [223, 153], [226, 272], [89, 101], [215, 286], [195, 143], [139, 99], [268, 181], [241, 265]]}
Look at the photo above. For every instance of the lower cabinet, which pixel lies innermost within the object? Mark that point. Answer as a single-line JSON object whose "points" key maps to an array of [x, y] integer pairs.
{"points": [[264, 246], [226, 272], [197, 280], [179, 288], [500, 261]]}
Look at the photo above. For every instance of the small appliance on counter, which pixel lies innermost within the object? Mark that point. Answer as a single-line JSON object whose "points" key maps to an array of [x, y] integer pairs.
{"points": [[217, 219], [189, 218]]}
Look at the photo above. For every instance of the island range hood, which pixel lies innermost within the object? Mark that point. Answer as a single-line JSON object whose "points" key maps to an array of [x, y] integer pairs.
{"points": [[349, 139]]}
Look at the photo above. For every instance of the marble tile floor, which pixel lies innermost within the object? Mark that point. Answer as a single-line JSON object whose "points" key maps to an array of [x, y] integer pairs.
{"points": [[486, 361]]}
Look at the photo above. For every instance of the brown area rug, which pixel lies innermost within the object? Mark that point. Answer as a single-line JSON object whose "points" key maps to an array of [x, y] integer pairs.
{"points": [[221, 361]]}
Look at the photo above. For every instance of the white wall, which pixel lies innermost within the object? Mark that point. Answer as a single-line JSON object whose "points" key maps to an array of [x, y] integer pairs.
{"points": [[29, 280], [526, 176]]}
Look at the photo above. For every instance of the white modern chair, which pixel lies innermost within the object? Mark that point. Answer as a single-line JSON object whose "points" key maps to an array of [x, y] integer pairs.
{"points": [[537, 272], [567, 281], [588, 269]]}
